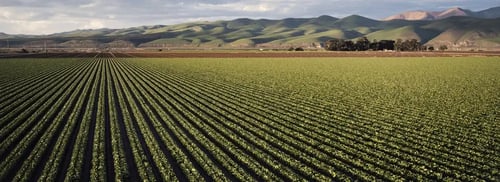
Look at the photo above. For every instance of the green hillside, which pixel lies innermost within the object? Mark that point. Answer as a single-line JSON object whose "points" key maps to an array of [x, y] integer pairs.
{"points": [[250, 33], [406, 32]]}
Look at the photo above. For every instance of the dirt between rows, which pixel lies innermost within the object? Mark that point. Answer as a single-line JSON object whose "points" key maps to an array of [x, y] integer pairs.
{"points": [[254, 54]]}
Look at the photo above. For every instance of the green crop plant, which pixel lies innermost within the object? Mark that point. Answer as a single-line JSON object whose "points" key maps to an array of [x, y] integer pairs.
{"points": [[250, 119]]}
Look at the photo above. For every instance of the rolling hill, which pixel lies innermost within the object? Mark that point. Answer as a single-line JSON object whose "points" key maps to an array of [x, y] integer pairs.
{"points": [[490, 13], [459, 32]]}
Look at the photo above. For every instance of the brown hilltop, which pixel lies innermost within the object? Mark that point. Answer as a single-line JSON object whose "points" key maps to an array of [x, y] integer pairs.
{"points": [[430, 15]]}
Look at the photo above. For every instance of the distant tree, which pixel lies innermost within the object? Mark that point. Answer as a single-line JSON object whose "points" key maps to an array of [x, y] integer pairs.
{"points": [[443, 47], [374, 45], [410, 45], [431, 48], [398, 44], [406, 45], [330, 45], [291, 49], [415, 45], [348, 45], [362, 44], [386, 45], [299, 49], [423, 48], [338, 45]]}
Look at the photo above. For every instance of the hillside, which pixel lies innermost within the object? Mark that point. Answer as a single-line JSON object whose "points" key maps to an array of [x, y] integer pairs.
{"points": [[491, 13], [460, 32]]}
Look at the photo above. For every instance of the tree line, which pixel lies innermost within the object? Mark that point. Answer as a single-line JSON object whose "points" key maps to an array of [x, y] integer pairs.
{"points": [[363, 44]]}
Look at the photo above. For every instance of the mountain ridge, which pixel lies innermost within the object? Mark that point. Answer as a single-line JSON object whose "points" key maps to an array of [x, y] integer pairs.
{"points": [[490, 13], [459, 32]]}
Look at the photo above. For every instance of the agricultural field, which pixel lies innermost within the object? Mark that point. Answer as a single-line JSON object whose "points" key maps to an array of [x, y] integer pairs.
{"points": [[104, 118]]}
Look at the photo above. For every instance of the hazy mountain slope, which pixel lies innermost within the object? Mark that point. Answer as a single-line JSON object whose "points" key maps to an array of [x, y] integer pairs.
{"points": [[489, 13], [355, 21], [307, 32], [406, 32], [412, 15], [456, 11], [467, 32]]}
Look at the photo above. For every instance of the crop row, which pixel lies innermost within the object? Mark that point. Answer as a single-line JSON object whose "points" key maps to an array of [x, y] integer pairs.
{"points": [[106, 118], [420, 152]]}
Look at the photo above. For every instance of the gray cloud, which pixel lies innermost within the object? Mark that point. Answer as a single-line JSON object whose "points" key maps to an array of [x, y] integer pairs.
{"points": [[38, 3], [50, 16]]}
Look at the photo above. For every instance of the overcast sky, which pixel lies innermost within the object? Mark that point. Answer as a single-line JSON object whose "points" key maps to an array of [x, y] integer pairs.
{"points": [[52, 16]]}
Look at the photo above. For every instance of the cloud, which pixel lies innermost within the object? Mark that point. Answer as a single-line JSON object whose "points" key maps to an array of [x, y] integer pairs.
{"points": [[260, 7], [94, 24], [51, 16], [5, 14], [38, 3], [28, 27], [89, 5]]}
